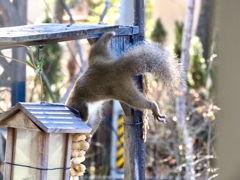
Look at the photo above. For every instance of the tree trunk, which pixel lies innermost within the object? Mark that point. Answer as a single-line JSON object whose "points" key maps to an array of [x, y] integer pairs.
{"points": [[181, 100], [204, 26], [59, 11]]}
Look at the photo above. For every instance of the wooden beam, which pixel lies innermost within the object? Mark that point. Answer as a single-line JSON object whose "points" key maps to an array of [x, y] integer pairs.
{"points": [[67, 158], [134, 147], [19, 120], [50, 33], [9, 154], [44, 152]]}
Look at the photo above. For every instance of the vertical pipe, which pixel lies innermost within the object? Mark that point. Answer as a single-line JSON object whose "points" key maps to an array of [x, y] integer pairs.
{"points": [[139, 151], [126, 13], [139, 16]]}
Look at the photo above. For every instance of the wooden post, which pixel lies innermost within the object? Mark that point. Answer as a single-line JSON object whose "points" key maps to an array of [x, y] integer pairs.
{"points": [[44, 154], [134, 147], [68, 139], [9, 154]]}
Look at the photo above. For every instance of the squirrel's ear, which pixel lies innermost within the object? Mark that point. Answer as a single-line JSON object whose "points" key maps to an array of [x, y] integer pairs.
{"points": [[112, 33]]}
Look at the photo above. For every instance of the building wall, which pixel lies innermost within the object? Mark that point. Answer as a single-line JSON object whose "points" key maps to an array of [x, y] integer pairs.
{"points": [[228, 88], [35, 11], [170, 11]]}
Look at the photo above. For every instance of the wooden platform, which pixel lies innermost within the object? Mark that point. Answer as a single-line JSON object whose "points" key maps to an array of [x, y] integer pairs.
{"points": [[50, 33]]}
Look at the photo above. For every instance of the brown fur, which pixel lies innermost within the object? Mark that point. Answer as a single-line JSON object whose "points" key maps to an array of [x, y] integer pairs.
{"points": [[107, 79]]}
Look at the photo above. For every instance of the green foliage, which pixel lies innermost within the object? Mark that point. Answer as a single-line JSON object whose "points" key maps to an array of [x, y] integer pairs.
{"points": [[50, 65], [97, 7], [149, 23], [178, 38], [196, 76], [51, 54], [200, 109], [94, 4], [159, 33]]}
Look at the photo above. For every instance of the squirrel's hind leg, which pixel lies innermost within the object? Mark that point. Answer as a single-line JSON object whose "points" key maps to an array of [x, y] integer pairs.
{"points": [[137, 100]]}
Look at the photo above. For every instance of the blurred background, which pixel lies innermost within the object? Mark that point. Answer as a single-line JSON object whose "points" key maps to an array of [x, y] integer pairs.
{"points": [[212, 100]]}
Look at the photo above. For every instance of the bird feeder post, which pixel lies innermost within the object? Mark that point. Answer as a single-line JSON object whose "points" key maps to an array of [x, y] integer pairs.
{"points": [[9, 154], [134, 147], [40, 142]]}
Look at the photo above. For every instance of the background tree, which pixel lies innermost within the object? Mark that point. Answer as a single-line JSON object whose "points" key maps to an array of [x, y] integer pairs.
{"points": [[204, 26], [178, 38], [196, 76], [159, 33], [52, 70]]}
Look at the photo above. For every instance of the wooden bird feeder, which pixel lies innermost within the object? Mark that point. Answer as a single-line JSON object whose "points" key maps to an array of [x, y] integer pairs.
{"points": [[39, 140]]}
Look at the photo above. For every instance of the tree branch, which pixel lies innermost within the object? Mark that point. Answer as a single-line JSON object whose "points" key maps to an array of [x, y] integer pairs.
{"points": [[67, 10], [107, 6], [80, 55], [181, 101]]}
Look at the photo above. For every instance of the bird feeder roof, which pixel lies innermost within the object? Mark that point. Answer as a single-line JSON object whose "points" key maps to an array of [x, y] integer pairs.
{"points": [[47, 117]]}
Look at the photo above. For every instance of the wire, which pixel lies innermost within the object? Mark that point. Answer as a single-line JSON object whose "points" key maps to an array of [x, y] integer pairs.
{"points": [[42, 169]]}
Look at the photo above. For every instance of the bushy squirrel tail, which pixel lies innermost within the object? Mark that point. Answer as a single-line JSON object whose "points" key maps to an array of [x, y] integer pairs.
{"points": [[154, 59]]}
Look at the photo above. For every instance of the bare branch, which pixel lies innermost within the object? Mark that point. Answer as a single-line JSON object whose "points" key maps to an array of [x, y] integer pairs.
{"points": [[67, 10], [48, 87], [90, 9], [181, 100], [79, 51], [107, 6], [65, 96], [49, 10]]}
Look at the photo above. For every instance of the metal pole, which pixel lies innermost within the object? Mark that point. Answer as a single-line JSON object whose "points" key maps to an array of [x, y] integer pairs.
{"points": [[134, 147], [139, 16]]}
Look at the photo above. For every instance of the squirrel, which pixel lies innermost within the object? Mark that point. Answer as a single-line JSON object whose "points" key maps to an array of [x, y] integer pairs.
{"points": [[108, 78]]}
